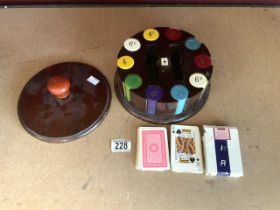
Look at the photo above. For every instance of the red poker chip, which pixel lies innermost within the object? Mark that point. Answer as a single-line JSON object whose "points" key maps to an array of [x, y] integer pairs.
{"points": [[202, 61], [173, 34]]}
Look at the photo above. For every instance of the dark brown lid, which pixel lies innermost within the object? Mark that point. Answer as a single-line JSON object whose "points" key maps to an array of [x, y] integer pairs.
{"points": [[64, 102]]}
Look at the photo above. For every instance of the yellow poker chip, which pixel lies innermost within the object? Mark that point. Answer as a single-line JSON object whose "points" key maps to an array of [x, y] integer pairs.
{"points": [[125, 62], [151, 34]]}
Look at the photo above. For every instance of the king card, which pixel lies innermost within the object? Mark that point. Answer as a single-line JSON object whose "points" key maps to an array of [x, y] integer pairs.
{"points": [[186, 155]]}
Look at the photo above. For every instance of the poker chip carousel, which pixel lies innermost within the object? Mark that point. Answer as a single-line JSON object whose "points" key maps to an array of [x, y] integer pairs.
{"points": [[64, 102], [163, 75]]}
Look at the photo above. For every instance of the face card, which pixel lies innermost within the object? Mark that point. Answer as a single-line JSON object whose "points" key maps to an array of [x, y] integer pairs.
{"points": [[186, 149], [185, 146]]}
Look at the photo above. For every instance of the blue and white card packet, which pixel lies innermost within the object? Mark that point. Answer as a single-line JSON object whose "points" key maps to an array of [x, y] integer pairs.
{"points": [[222, 151], [186, 154]]}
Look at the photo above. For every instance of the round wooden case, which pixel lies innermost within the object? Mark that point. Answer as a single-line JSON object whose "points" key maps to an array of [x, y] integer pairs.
{"points": [[163, 75]]}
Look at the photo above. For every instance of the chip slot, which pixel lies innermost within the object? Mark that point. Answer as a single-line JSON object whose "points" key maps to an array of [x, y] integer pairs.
{"points": [[176, 62], [151, 63]]}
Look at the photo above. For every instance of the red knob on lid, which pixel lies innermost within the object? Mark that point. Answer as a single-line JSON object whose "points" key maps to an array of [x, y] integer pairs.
{"points": [[59, 86], [173, 34], [202, 61]]}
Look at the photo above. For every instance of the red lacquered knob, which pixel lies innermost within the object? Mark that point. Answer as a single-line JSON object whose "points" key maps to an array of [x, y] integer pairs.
{"points": [[59, 86]]}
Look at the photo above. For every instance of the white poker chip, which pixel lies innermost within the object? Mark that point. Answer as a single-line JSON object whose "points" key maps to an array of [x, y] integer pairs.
{"points": [[132, 44], [198, 80]]}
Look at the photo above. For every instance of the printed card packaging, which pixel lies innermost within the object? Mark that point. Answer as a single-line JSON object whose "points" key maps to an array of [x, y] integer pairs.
{"points": [[186, 154], [222, 151], [152, 149]]}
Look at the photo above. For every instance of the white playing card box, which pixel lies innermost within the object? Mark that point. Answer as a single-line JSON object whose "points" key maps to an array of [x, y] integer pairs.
{"points": [[222, 151], [186, 154], [152, 149]]}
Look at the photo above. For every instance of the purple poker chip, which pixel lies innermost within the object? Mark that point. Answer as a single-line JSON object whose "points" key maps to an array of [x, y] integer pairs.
{"points": [[154, 92]]}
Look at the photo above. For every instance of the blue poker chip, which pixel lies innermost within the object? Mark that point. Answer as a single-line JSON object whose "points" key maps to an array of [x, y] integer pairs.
{"points": [[179, 92], [192, 44]]}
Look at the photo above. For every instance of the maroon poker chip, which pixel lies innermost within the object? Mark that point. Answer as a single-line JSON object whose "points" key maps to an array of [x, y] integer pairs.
{"points": [[173, 34], [202, 61]]}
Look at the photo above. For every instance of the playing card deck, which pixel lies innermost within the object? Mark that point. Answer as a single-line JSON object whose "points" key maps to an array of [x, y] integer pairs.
{"points": [[186, 155], [222, 156], [222, 151], [152, 149]]}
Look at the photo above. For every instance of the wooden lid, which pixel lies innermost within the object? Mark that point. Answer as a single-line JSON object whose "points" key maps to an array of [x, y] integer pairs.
{"points": [[64, 102]]}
